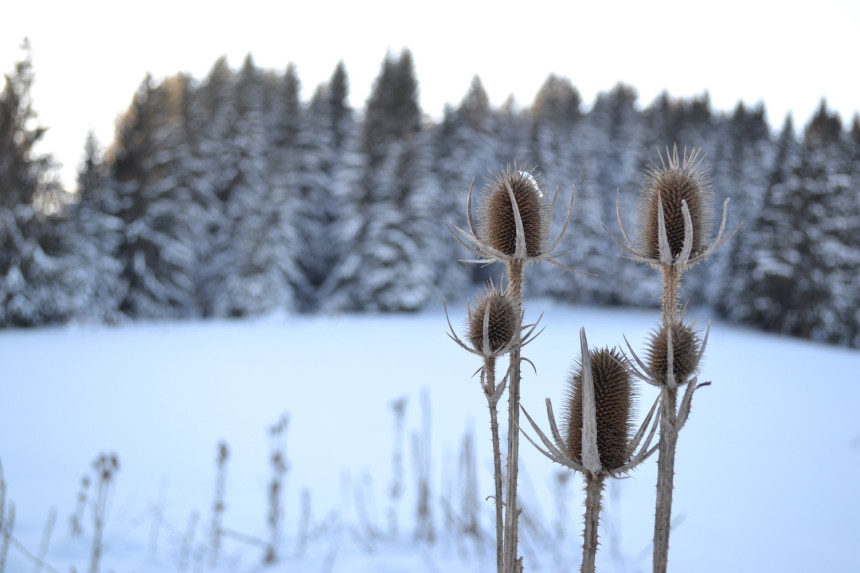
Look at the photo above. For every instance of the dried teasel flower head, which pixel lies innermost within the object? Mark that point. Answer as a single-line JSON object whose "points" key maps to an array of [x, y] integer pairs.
{"points": [[497, 218], [513, 220], [673, 354], [676, 182], [675, 214], [492, 322], [613, 403], [597, 413]]}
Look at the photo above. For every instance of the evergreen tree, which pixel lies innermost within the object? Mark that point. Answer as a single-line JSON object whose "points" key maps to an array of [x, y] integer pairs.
{"points": [[257, 246], [754, 277], [158, 208], [835, 242], [96, 231], [35, 285], [326, 131], [381, 228], [803, 254], [215, 171], [20, 167], [742, 167]]}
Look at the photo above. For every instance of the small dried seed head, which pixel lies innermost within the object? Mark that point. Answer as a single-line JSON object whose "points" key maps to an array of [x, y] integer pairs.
{"points": [[675, 181], [502, 321], [686, 346], [496, 217], [613, 402]]}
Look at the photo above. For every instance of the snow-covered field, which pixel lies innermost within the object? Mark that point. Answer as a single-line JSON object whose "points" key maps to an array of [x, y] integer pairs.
{"points": [[766, 474]]}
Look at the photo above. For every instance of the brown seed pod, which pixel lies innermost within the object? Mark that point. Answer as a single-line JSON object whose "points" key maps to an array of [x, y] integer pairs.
{"points": [[496, 217], [675, 181], [686, 348], [502, 321], [613, 402]]}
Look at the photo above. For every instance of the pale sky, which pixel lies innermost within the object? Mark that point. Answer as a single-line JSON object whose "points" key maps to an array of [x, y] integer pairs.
{"points": [[91, 55]]}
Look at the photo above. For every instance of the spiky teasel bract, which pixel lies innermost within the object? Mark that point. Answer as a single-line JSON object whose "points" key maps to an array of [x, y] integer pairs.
{"points": [[675, 214], [513, 220], [614, 404]]}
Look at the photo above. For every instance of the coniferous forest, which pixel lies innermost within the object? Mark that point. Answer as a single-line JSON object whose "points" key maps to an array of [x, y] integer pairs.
{"points": [[229, 196]]}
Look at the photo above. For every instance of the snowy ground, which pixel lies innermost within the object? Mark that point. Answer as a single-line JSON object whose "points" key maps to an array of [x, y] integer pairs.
{"points": [[766, 475]]}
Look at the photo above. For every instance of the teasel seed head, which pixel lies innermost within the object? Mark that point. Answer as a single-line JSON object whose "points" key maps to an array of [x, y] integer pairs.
{"points": [[497, 312], [614, 404], [497, 220], [675, 182], [686, 353]]}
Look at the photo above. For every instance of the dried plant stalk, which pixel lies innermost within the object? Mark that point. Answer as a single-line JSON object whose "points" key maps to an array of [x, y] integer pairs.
{"points": [[593, 495], [510, 562], [675, 212], [512, 229]]}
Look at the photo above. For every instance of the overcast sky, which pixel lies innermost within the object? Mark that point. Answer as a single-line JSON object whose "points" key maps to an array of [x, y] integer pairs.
{"points": [[91, 55]]}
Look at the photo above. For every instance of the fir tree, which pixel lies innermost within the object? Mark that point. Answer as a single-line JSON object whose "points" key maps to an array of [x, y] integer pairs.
{"points": [[257, 246], [326, 129], [159, 212], [97, 232], [381, 230], [35, 282]]}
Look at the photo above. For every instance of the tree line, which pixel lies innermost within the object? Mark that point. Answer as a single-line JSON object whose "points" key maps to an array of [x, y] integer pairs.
{"points": [[229, 196]]}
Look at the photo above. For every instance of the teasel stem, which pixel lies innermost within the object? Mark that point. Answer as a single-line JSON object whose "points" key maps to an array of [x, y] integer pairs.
{"points": [[671, 293], [665, 477], [593, 494], [489, 384], [510, 563], [668, 431]]}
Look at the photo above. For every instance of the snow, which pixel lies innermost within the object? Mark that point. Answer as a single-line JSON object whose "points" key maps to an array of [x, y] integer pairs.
{"points": [[764, 473]]}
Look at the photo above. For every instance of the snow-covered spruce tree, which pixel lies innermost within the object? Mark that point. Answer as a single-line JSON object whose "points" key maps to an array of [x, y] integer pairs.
{"points": [[513, 225], [675, 212], [158, 207], [760, 266], [211, 122], [308, 151], [37, 277], [97, 230], [801, 255], [387, 226], [743, 162], [259, 240], [326, 145], [832, 220]]}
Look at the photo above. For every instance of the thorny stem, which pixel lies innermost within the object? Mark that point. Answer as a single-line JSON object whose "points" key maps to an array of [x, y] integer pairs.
{"points": [[489, 374], [665, 478], [593, 493], [668, 432], [515, 286], [671, 293]]}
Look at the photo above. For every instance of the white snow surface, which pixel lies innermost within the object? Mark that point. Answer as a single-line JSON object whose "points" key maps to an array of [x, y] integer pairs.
{"points": [[766, 471]]}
